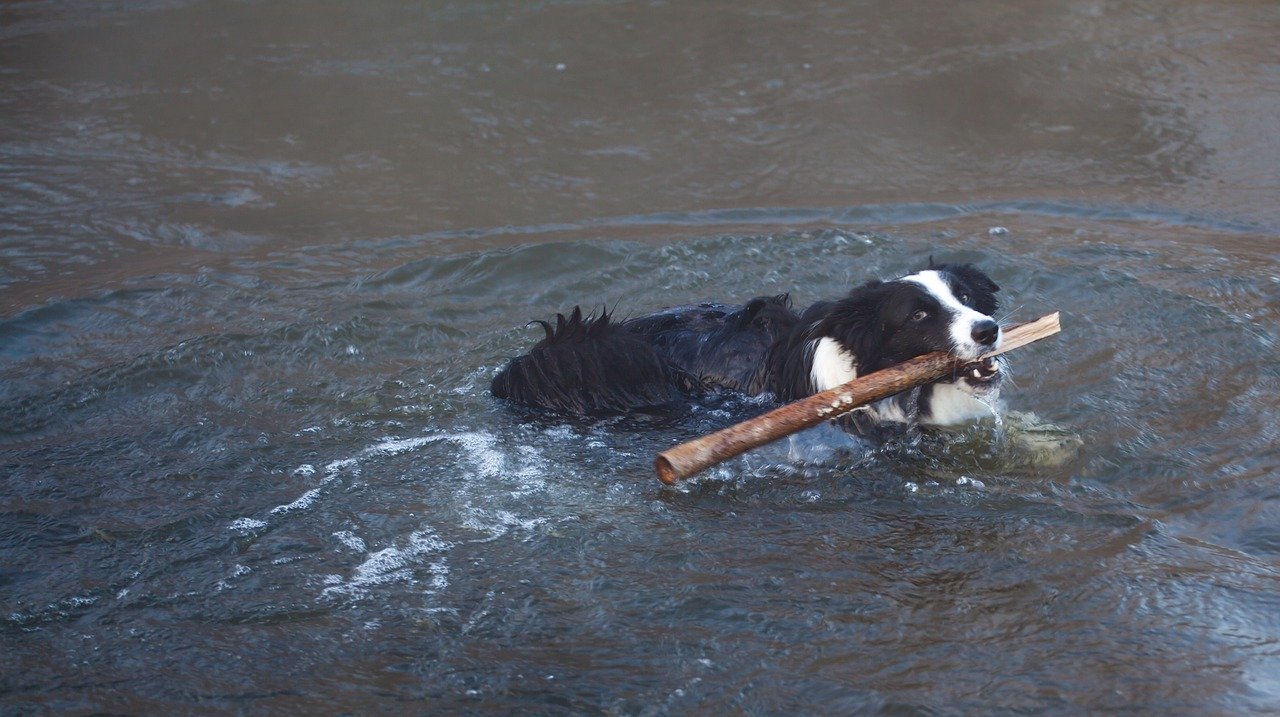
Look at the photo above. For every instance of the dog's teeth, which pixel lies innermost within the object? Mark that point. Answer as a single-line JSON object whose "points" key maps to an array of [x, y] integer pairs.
{"points": [[977, 373]]}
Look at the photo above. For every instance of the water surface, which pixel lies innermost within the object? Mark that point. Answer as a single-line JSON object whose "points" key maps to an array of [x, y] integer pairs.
{"points": [[258, 263]]}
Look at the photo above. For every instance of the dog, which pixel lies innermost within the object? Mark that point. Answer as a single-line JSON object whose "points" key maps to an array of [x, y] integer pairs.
{"points": [[593, 365]]}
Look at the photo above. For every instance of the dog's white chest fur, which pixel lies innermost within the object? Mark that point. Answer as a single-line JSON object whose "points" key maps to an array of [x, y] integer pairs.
{"points": [[832, 365]]}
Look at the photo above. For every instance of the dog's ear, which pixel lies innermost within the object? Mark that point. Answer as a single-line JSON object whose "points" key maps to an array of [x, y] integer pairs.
{"points": [[975, 277], [765, 311], [982, 288], [869, 285]]}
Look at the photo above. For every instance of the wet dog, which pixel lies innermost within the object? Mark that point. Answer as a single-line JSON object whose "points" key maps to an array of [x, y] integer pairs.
{"points": [[594, 365]]}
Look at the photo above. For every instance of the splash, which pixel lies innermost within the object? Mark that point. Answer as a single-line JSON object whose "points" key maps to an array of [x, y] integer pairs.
{"points": [[396, 564]]}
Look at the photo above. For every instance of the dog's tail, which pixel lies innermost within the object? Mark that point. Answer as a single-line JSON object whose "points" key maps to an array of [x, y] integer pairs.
{"points": [[590, 366]]}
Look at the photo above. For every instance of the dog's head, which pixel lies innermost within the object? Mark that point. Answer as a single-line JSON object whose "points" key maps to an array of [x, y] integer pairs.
{"points": [[942, 308]]}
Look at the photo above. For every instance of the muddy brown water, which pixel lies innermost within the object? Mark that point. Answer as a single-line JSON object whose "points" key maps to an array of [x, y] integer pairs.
{"points": [[258, 262]]}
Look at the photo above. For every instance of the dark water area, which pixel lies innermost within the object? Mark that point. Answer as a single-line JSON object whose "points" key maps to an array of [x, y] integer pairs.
{"points": [[259, 261]]}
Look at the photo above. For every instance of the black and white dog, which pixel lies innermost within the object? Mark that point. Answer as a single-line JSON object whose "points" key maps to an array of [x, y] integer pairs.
{"points": [[590, 365]]}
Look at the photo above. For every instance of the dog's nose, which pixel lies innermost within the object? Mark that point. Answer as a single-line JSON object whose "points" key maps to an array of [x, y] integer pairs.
{"points": [[986, 332]]}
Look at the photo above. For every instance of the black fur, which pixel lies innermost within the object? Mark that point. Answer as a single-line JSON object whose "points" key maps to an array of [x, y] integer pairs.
{"points": [[587, 365], [592, 366], [720, 344]]}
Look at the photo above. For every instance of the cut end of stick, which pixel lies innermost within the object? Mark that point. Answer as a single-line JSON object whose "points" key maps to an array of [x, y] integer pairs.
{"points": [[666, 473]]}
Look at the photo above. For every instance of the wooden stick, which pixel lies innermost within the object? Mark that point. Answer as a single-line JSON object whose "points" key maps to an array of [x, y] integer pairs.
{"points": [[689, 458]]}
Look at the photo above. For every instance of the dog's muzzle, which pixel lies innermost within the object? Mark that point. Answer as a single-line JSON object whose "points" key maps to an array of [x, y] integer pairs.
{"points": [[982, 374]]}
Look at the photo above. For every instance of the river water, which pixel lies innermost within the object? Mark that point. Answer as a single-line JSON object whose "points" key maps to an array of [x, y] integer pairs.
{"points": [[258, 262]]}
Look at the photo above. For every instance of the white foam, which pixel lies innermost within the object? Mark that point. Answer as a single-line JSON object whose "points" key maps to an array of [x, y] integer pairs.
{"points": [[245, 525], [530, 473], [439, 575], [480, 448], [498, 471], [236, 572], [392, 446], [468, 386], [302, 503], [331, 471], [387, 447], [386, 565], [560, 432], [395, 564], [426, 541], [351, 540], [496, 522]]}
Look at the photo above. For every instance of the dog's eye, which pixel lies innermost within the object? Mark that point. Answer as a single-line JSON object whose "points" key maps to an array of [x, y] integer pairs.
{"points": [[964, 298], [920, 316]]}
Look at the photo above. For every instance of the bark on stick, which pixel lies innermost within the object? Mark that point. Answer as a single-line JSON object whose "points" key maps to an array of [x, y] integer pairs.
{"points": [[686, 459]]}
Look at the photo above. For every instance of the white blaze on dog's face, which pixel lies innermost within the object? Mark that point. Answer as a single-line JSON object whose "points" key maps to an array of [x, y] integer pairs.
{"points": [[972, 333]]}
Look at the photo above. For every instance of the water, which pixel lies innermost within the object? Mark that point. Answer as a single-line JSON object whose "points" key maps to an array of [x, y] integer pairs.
{"points": [[258, 263]]}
